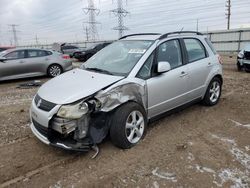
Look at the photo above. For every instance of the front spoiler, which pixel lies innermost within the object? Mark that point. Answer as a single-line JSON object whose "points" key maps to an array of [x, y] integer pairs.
{"points": [[79, 146]]}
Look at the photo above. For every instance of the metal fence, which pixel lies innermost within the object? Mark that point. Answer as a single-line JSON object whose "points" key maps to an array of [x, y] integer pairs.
{"points": [[229, 41], [225, 41]]}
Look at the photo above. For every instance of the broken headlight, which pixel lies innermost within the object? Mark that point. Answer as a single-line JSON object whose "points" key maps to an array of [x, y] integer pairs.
{"points": [[73, 111]]}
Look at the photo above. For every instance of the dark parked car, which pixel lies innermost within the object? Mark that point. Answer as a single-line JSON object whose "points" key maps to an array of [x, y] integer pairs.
{"points": [[243, 59], [69, 49], [85, 55]]}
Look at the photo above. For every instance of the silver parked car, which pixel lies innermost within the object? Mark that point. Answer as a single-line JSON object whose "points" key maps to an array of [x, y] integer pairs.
{"points": [[21, 63], [123, 87]]}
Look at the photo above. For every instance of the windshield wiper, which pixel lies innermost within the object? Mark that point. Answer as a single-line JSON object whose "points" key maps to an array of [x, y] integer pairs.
{"points": [[99, 70]]}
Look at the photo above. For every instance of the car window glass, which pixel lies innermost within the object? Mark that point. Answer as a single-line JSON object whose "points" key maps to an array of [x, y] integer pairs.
{"points": [[48, 53], [170, 51], [210, 45], [195, 49], [119, 58], [16, 55], [41, 53], [33, 53], [145, 71]]}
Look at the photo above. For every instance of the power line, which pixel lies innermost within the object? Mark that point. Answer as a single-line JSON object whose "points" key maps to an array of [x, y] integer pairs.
{"points": [[92, 12], [120, 13], [228, 13], [14, 32]]}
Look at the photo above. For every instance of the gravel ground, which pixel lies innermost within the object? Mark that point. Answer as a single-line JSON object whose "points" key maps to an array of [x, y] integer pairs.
{"points": [[197, 147]]}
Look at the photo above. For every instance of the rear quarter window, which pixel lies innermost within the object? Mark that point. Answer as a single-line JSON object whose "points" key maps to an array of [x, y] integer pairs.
{"points": [[209, 43], [195, 49]]}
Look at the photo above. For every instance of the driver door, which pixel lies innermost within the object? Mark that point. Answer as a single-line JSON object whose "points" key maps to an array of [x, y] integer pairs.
{"points": [[14, 64], [167, 90]]}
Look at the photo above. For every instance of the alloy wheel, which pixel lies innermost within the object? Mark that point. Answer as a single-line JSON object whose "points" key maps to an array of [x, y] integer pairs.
{"points": [[134, 126]]}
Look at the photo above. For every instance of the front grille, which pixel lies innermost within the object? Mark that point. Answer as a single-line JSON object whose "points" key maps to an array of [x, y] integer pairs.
{"points": [[41, 129], [43, 104], [247, 55]]}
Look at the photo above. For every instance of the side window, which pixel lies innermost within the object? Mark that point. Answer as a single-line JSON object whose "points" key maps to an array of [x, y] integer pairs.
{"points": [[48, 53], [170, 51], [145, 71], [210, 45], [41, 53], [195, 50], [20, 54], [33, 53]]}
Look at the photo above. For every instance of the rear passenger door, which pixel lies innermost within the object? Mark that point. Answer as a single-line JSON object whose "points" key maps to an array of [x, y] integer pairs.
{"points": [[199, 66], [36, 61]]}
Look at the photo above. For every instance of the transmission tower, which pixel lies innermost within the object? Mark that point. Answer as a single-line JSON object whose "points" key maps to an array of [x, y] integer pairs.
{"points": [[92, 12], [14, 32], [37, 41], [120, 13], [228, 13]]}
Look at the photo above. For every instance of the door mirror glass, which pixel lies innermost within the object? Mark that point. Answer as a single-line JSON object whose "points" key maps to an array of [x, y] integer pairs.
{"points": [[2, 59], [163, 66]]}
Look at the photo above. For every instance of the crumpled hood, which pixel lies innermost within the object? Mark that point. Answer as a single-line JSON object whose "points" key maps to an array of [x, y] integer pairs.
{"points": [[75, 85]]}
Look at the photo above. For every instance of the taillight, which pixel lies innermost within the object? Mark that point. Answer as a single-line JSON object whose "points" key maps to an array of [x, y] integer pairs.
{"points": [[64, 56], [220, 59]]}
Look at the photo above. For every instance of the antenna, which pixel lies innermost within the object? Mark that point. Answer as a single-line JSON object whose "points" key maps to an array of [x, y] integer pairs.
{"points": [[120, 13], [92, 12]]}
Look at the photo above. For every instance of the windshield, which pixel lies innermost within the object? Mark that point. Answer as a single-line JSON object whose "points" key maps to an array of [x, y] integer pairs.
{"points": [[119, 58]]}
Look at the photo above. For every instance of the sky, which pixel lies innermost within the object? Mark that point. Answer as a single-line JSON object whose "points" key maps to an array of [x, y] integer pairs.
{"points": [[64, 20]]}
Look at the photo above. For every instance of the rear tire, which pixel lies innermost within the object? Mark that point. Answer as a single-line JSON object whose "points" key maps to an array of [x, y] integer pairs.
{"points": [[213, 92], [54, 70], [128, 125]]}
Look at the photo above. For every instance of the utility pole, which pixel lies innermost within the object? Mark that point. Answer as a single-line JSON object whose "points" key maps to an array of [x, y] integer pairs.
{"points": [[87, 33], [14, 31], [92, 12], [120, 13], [228, 13], [197, 25]]}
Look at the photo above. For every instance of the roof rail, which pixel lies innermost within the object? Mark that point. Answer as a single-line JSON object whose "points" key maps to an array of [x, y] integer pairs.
{"points": [[136, 34], [178, 32]]}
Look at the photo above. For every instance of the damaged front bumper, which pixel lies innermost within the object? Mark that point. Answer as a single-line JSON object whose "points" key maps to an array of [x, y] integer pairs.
{"points": [[60, 132]]}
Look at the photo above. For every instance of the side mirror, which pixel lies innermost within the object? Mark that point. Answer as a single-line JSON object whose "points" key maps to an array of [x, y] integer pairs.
{"points": [[2, 59], [163, 66]]}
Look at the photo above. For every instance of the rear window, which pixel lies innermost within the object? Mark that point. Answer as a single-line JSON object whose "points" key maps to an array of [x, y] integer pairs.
{"points": [[211, 46], [195, 49]]}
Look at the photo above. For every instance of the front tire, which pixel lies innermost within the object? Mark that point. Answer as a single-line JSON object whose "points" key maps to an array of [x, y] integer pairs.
{"points": [[54, 70], [213, 92], [128, 125]]}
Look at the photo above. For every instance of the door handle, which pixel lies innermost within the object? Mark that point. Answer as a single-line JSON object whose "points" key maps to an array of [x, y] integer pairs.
{"points": [[209, 64], [183, 73]]}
